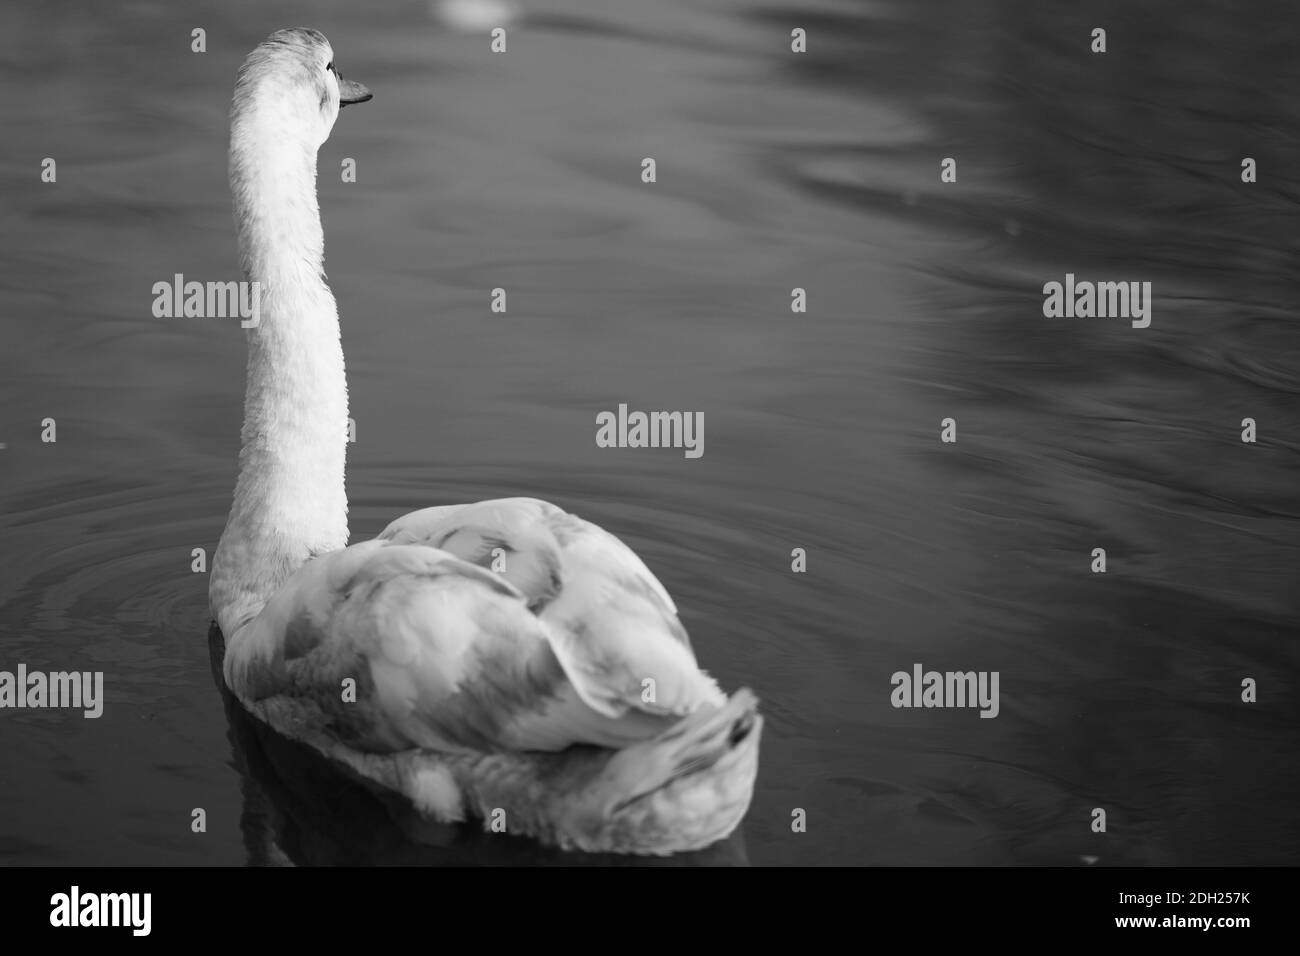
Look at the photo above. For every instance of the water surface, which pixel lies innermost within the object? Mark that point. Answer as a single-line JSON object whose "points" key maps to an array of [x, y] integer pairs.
{"points": [[775, 170]]}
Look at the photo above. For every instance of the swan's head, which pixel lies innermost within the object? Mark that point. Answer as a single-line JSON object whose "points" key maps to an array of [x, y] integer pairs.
{"points": [[291, 84]]}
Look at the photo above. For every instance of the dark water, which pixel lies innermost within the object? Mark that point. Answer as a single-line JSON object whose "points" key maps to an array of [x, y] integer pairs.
{"points": [[775, 170]]}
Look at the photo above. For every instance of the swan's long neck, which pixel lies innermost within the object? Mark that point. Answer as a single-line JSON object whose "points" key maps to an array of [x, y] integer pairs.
{"points": [[289, 499]]}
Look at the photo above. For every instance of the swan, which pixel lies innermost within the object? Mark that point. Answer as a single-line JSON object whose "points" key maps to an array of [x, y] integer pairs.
{"points": [[505, 661]]}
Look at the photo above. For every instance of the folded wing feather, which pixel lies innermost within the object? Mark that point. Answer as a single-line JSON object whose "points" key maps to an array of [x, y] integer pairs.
{"points": [[572, 641]]}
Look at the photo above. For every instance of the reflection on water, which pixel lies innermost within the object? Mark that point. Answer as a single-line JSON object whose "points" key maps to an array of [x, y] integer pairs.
{"points": [[299, 809], [775, 170]]}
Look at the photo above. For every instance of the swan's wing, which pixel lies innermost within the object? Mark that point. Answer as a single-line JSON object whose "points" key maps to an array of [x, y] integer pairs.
{"points": [[609, 620], [395, 645], [508, 536], [531, 533], [388, 647]]}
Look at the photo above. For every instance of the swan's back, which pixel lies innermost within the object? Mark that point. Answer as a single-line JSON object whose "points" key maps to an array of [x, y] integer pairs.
{"points": [[410, 648]]}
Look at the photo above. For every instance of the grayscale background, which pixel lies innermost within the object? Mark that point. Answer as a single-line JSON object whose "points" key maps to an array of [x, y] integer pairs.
{"points": [[775, 170]]}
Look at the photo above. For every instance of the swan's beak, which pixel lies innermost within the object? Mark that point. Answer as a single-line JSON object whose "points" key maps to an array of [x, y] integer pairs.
{"points": [[350, 91]]}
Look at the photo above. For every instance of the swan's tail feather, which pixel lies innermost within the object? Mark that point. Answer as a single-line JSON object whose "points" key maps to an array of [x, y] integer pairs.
{"points": [[692, 745], [688, 787], [683, 790]]}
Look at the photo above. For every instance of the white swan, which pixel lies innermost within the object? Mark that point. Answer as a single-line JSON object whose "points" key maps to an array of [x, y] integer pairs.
{"points": [[559, 697]]}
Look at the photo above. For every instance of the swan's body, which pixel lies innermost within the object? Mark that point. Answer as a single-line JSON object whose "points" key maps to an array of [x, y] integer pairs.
{"points": [[503, 660]]}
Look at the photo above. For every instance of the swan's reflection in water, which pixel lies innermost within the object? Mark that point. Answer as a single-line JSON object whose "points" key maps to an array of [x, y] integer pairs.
{"points": [[301, 809]]}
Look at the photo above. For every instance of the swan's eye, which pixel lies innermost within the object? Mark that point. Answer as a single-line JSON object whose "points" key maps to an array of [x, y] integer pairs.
{"points": [[330, 66]]}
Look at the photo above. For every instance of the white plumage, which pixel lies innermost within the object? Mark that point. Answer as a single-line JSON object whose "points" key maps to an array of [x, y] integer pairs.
{"points": [[500, 660]]}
